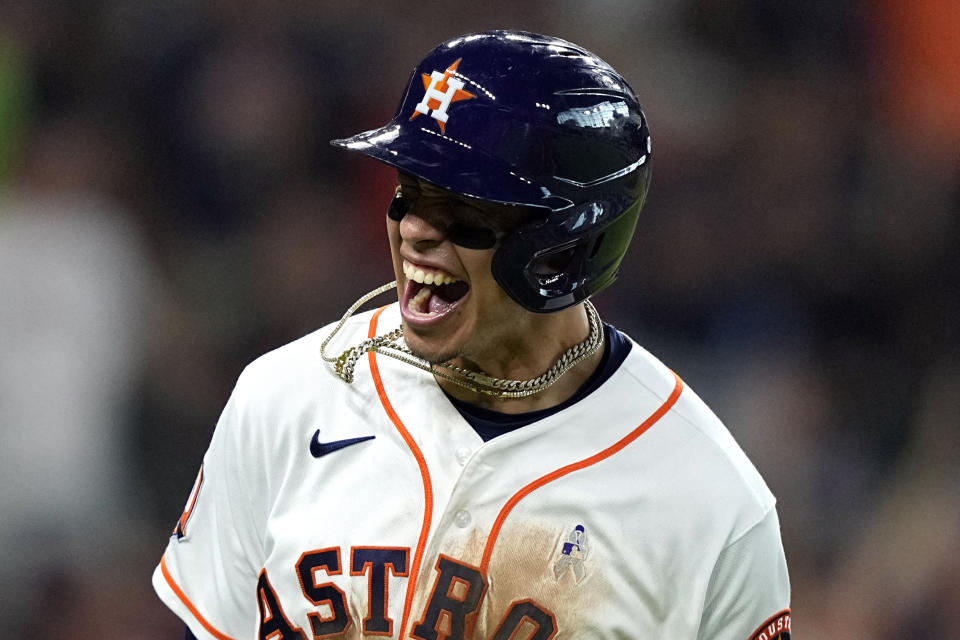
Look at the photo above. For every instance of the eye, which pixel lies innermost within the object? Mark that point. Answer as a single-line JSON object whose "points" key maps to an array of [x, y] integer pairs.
{"points": [[472, 237], [398, 207]]}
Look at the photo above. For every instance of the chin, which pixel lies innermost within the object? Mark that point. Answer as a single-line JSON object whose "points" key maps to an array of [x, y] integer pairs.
{"points": [[432, 348]]}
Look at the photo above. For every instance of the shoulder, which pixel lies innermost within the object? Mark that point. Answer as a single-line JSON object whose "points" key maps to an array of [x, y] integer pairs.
{"points": [[284, 389], [704, 461], [284, 396]]}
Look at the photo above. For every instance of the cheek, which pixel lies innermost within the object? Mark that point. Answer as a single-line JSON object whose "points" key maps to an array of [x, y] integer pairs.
{"points": [[482, 282], [393, 237], [477, 263], [393, 232]]}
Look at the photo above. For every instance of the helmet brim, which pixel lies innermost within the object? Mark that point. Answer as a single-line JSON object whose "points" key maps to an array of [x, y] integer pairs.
{"points": [[450, 164]]}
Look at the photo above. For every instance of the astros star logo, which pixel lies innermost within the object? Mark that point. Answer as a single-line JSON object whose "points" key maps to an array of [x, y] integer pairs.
{"points": [[441, 90]]}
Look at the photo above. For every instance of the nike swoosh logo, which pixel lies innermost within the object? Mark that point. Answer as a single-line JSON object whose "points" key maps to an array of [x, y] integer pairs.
{"points": [[318, 448]]}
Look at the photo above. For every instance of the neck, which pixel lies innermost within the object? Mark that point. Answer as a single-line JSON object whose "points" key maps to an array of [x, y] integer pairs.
{"points": [[528, 353]]}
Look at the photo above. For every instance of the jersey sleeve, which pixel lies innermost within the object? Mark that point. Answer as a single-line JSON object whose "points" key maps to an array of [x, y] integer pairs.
{"points": [[208, 573], [748, 596]]}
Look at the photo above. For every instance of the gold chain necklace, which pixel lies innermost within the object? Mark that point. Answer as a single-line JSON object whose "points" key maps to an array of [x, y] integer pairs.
{"points": [[389, 345]]}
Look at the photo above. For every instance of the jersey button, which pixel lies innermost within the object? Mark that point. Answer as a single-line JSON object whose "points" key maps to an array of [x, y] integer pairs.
{"points": [[463, 454], [461, 518]]}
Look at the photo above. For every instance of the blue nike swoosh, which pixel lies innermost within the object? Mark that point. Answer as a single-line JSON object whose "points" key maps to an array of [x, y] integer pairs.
{"points": [[318, 448]]}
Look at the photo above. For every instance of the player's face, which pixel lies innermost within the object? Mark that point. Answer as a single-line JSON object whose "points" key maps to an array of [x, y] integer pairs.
{"points": [[442, 245]]}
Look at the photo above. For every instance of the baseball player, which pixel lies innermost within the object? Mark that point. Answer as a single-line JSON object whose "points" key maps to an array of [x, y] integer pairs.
{"points": [[485, 457]]}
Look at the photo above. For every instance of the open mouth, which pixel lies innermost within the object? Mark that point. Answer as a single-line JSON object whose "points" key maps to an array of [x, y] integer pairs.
{"points": [[431, 293]]}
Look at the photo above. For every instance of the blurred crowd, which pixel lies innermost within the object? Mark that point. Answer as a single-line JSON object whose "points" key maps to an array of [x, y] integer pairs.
{"points": [[170, 209]]}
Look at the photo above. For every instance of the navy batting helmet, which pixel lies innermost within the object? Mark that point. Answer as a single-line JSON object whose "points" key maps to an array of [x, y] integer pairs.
{"points": [[525, 119]]}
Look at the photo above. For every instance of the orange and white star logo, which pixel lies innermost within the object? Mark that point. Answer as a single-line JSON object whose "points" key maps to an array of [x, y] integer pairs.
{"points": [[441, 90]]}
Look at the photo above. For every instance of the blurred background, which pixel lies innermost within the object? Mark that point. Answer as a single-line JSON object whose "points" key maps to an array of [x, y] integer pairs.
{"points": [[170, 209]]}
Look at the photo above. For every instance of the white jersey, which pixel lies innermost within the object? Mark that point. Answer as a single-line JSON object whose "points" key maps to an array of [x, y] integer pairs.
{"points": [[333, 510]]}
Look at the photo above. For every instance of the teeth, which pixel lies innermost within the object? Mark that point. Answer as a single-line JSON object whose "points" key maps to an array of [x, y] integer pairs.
{"points": [[427, 277], [416, 302], [422, 295]]}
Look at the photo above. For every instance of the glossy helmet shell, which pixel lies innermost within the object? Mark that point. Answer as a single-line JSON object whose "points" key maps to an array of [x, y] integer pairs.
{"points": [[525, 119]]}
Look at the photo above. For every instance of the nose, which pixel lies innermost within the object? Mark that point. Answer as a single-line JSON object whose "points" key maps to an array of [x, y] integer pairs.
{"points": [[421, 230]]}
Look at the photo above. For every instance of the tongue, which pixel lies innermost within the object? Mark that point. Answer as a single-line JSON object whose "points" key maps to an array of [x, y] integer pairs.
{"points": [[436, 304], [438, 300]]}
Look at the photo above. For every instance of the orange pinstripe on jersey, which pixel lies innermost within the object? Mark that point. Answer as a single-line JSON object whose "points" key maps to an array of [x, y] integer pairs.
{"points": [[186, 601], [586, 462], [424, 473], [517, 497], [180, 530]]}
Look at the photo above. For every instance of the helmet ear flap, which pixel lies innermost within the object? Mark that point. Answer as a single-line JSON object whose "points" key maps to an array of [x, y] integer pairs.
{"points": [[559, 268]]}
